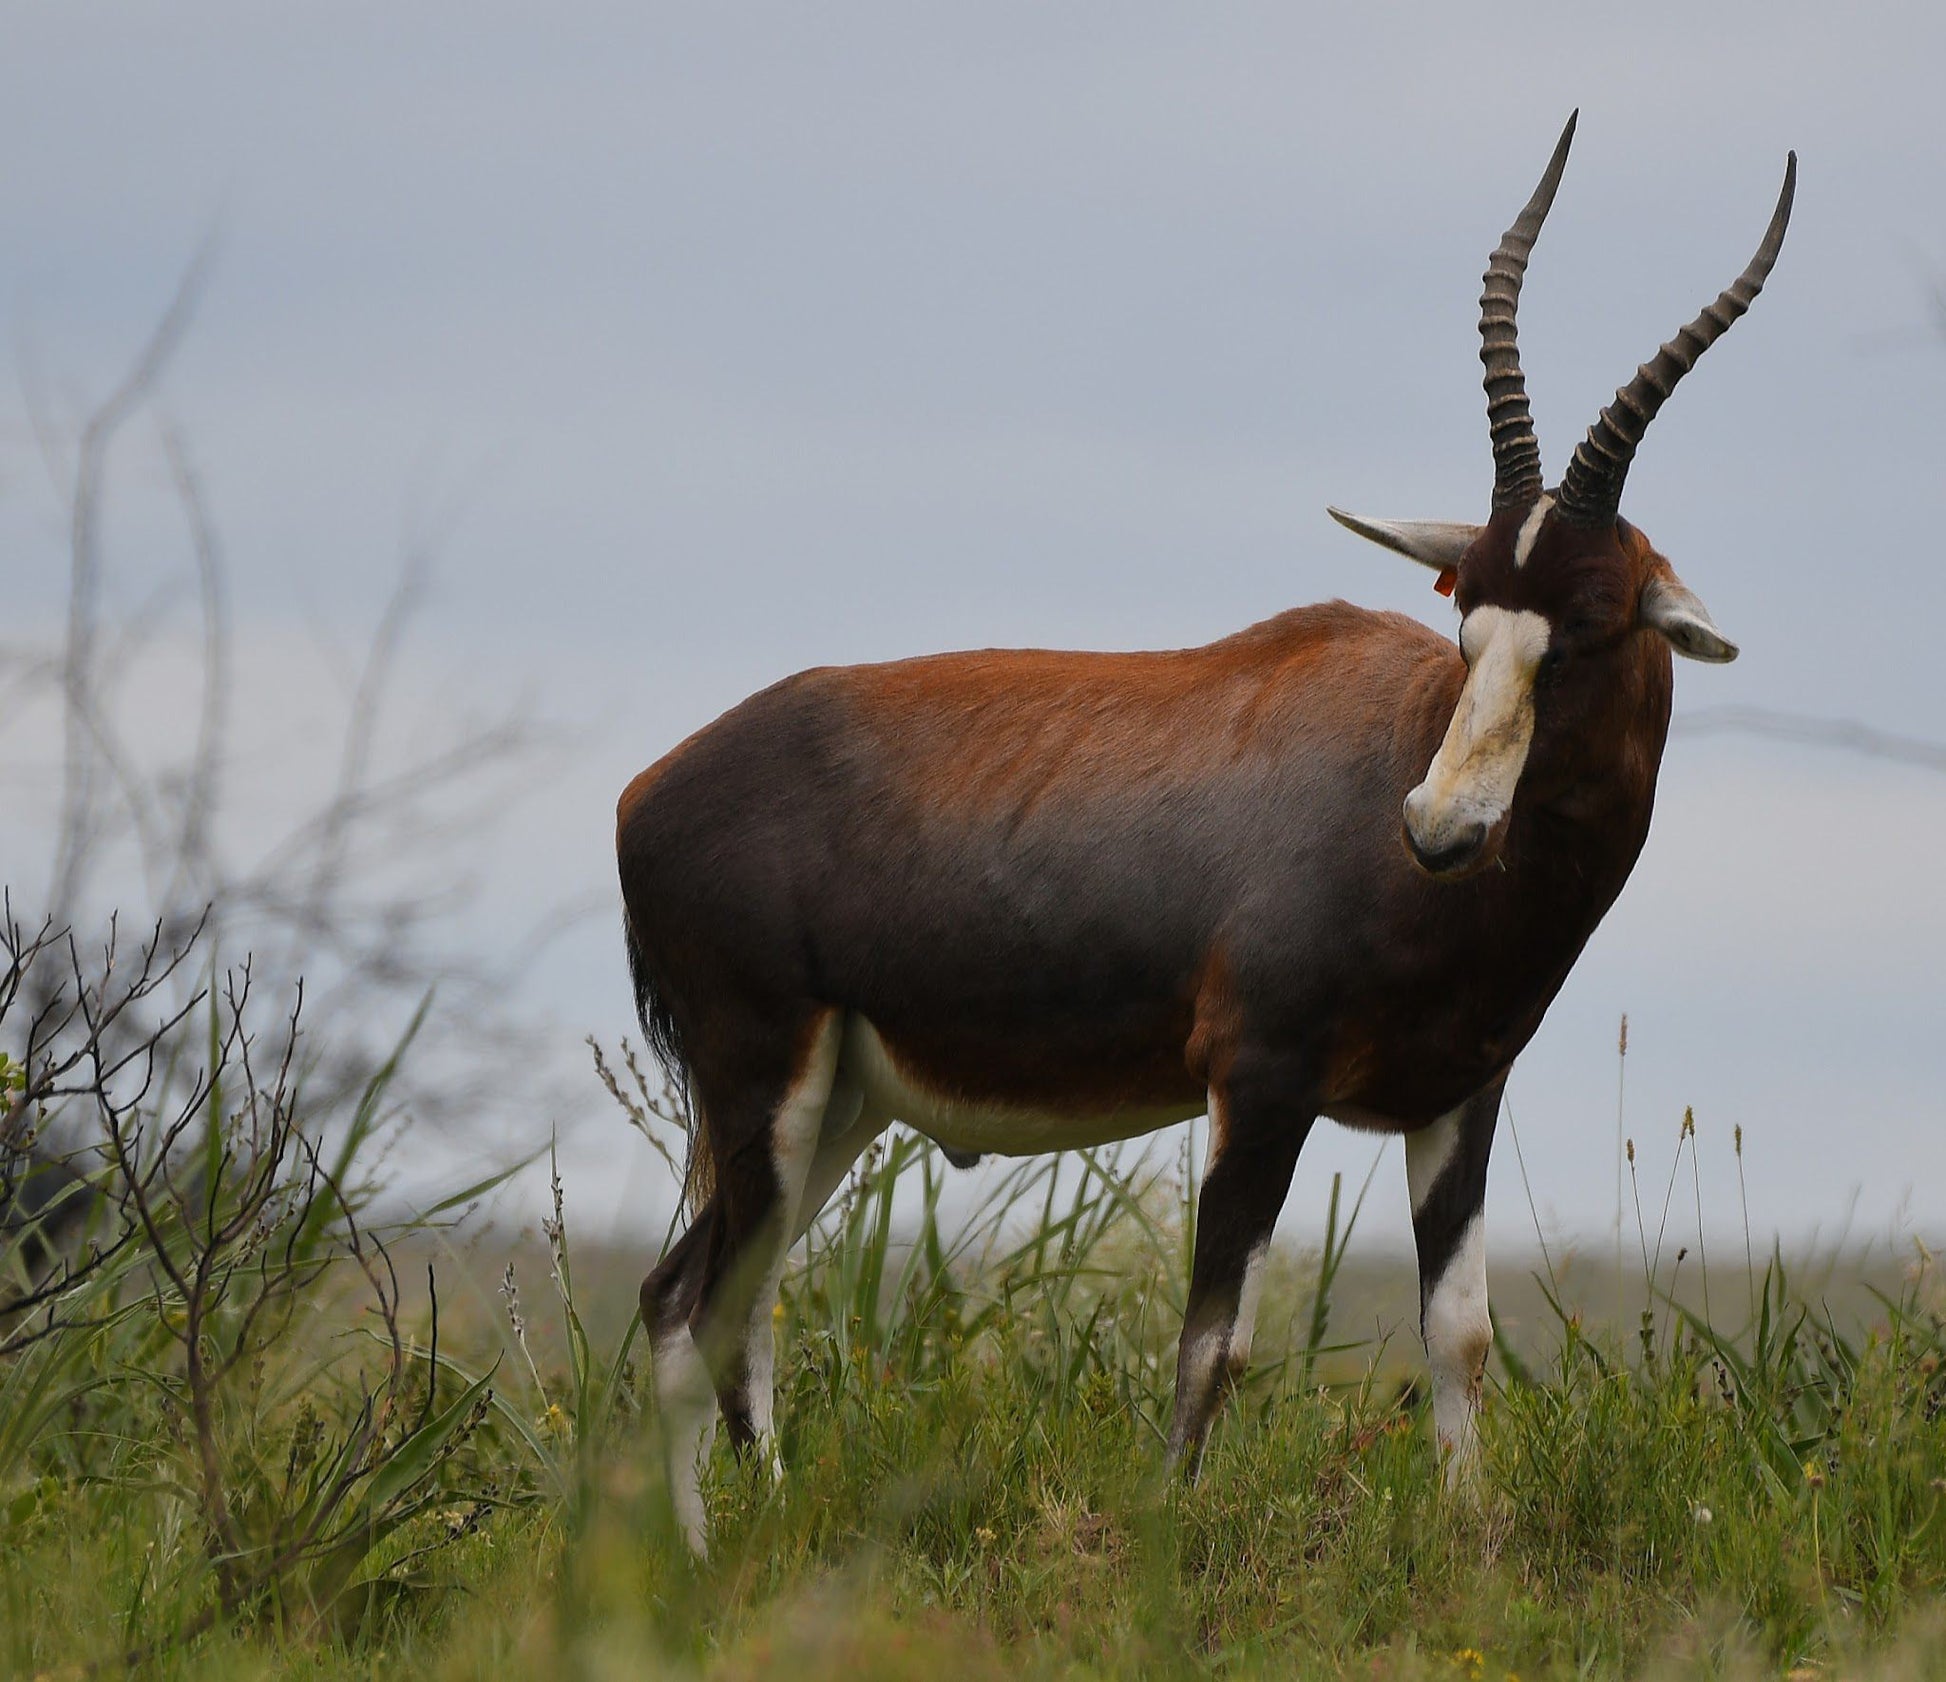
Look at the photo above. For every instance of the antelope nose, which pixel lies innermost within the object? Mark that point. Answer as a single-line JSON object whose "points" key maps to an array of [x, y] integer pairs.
{"points": [[1442, 846]]}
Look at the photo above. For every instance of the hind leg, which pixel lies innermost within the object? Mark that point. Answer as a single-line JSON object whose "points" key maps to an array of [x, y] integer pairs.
{"points": [[706, 1306], [686, 1391], [685, 1396], [764, 1127]]}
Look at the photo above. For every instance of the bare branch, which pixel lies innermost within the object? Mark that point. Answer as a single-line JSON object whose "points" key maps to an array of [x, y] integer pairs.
{"points": [[88, 741]]}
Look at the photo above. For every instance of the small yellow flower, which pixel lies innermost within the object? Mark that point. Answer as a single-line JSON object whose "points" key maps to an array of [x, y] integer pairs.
{"points": [[1814, 1474], [554, 1421], [985, 1536]]}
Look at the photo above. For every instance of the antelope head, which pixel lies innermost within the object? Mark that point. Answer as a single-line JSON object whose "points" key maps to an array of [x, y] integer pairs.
{"points": [[1556, 586]]}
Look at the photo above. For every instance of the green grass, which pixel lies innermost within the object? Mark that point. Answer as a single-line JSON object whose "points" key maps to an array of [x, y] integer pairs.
{"points": [[971, 1421]]}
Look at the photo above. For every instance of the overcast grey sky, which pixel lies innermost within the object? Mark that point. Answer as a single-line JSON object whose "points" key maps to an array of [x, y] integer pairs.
{"points": [[735, 339]]}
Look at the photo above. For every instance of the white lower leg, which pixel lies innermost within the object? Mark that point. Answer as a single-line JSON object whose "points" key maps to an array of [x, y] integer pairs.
{"points": [[1459, 1333], [685, 1400], [760, 1357], [794, 1137], [845, 1134], [1242, 1332], [1456, 1324]]}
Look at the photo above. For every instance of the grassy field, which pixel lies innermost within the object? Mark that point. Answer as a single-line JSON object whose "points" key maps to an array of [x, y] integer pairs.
{"points": [[972, 1425]]}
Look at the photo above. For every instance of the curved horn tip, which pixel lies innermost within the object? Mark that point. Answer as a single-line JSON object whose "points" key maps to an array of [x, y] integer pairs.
{"points": [[1556, 166], [1780, 218], [1510, 421], [1591, 489]]}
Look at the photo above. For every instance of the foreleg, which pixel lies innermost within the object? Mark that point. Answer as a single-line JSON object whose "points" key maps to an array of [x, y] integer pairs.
{"points": [[1253, 1148], [1446, 1172]]}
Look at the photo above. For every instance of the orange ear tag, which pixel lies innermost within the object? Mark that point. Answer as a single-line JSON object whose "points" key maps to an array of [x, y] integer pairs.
{"points": [[1448, 577]]}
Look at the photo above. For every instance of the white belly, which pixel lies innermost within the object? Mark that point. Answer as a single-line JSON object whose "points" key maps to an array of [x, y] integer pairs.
{"points": [[972, 1125]]}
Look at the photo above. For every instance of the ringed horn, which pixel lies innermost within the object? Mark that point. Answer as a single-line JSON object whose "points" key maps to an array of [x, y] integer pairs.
{"points": [[1516, 451]]}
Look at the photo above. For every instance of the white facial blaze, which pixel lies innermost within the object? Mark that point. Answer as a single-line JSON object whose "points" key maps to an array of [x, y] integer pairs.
{"points": [[1470, 785]]}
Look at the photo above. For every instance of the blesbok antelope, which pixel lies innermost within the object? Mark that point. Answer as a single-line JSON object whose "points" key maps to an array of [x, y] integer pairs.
{"points": [[1023, 900]]}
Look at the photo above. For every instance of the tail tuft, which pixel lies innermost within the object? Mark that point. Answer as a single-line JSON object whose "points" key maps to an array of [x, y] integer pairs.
{"points": [[664, 1039]]}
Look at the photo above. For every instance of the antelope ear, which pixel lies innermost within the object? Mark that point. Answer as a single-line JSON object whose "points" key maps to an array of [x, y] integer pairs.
{"points": [[1672, 608], [1433, 543]]}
